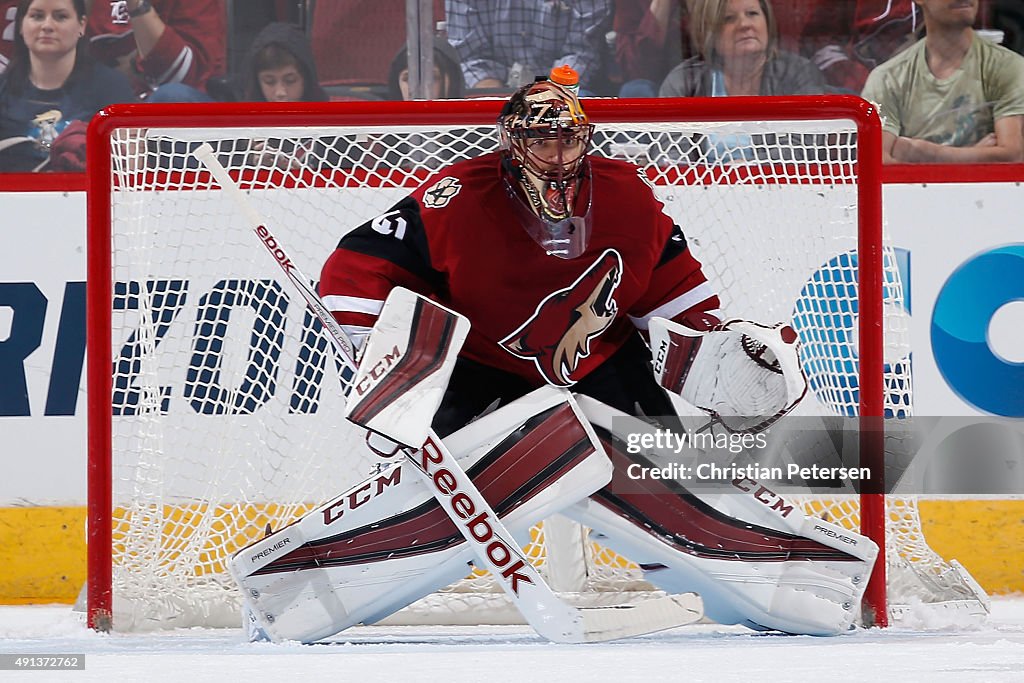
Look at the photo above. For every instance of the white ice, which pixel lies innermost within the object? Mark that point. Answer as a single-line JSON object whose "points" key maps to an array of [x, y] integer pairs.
{"points": [[993, 652]]}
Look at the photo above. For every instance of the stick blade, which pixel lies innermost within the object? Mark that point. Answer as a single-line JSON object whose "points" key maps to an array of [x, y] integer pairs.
{"points": [[602, 624]]}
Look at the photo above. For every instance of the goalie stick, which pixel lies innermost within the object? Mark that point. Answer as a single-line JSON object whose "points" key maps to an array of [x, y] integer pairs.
{"points": [[493, 544]]}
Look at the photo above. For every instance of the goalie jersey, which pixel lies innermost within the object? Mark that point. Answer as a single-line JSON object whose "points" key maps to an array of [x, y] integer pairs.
{"points": [[550, 320]]}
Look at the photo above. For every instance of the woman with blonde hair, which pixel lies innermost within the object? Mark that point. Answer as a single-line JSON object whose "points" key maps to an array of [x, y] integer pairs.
{"points": [[736, 43]]}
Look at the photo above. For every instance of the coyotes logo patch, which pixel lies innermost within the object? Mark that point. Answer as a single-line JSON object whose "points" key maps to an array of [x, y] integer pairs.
{"points": [[557, 336], [441, 192]]}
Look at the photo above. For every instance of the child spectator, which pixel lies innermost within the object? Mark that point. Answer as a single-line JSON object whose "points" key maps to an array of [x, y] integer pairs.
{"points": [[951, 97], [447, 80], [408, 150], [281, 67], [52, 88], [171, 46]]}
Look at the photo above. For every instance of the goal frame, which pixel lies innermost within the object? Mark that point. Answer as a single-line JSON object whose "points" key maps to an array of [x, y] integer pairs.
{"points": [[476, 112]]}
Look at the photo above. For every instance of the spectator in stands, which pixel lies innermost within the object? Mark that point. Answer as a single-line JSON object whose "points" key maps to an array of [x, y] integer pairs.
{"points": [[447, 79], [281, 67], [648, 42], [848, 39], [169, 48], [738, 54], [951, 97], [507, 43], [52, 88]]}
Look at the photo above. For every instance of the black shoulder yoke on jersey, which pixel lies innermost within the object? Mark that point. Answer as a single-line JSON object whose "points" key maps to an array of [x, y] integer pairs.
{"points": [[397, 236]]}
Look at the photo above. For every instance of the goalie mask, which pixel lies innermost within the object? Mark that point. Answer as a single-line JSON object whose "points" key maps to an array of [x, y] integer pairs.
{"points": [[545, 135]]}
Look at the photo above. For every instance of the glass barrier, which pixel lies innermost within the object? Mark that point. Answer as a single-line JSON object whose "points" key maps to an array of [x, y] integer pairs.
{"points": [[282, 50]]}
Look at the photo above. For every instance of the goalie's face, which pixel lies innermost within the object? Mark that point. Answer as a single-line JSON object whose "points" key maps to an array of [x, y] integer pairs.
{"points": [[554, 157], [546, 136], [551, 171]]}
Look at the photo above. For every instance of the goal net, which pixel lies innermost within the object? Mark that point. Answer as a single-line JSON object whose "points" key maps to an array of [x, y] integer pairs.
{"points": [[214, 398]]}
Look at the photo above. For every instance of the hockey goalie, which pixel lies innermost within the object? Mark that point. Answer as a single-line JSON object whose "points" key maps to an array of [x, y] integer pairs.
{"points": [[570, 276]]}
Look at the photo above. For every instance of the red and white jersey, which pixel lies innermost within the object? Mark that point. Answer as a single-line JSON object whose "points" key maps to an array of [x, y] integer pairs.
{"points": [[8, 8], [191, 50], [457, 239]]}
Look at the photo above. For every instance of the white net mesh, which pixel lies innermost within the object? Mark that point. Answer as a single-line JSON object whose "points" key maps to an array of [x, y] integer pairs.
{"points": [[226, 400]]}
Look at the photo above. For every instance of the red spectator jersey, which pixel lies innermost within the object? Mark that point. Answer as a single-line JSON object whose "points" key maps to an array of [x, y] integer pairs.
{"points": [[457, 239], [644, 48], [190, 51], [8, 8], [846, 40]]}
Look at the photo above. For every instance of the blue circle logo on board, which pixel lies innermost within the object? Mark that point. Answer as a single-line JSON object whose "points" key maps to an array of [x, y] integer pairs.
{"points": [[826, 318], [959, 331]]}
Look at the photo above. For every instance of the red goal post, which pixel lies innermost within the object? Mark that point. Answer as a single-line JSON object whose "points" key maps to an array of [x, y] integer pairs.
{"points": [[110, 169]]}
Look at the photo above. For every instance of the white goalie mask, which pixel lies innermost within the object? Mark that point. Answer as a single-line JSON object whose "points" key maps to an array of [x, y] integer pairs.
{"points": [[546, 136]]}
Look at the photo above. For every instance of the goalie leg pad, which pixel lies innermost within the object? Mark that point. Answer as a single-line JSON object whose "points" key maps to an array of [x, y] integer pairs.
{"points": [[386, 542], [768, 567]]}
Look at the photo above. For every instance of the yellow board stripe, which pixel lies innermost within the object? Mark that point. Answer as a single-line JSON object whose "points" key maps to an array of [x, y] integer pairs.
{"points": [[986, 536], [44, 554]]}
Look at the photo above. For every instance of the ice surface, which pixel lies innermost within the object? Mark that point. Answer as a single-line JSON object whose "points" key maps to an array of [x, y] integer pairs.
{"points": [[993, 652]]}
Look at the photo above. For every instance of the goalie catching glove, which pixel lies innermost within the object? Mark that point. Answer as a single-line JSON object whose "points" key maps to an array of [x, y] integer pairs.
{"points": [[745, 375]]}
